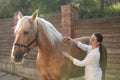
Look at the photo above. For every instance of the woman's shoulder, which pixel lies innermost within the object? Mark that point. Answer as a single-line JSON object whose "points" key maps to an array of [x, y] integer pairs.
{"points": [[95, 51]]}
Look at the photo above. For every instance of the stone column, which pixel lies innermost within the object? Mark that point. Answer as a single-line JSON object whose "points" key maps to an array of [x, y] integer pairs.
{"points": [[69, 14]]}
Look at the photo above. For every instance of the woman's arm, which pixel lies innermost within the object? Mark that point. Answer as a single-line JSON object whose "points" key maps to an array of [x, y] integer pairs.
{"points": [[89, 59], [84, 47], [78, 43]]}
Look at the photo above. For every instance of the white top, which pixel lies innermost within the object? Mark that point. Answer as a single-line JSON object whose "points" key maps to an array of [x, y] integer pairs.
{"points": [[91, 62]]}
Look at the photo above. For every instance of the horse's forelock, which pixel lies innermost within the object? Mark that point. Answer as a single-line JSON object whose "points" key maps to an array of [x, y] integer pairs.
{"points": [[24, 21]]}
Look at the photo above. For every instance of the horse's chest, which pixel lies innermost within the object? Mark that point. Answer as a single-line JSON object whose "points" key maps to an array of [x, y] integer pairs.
{"points": [[49, 67]]}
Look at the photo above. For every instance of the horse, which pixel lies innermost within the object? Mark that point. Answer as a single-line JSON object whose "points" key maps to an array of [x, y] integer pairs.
{"points": [[32, 31]]}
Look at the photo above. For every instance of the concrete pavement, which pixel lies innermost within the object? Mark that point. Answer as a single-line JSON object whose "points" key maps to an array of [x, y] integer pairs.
{"points": [[7, 76]]}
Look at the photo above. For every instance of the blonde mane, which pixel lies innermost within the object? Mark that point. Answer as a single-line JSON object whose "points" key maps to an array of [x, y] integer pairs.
{"points": [[51, 33]]}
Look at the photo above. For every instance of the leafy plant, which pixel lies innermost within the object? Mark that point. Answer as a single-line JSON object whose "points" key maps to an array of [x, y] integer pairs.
{"points": [[87, 8]]}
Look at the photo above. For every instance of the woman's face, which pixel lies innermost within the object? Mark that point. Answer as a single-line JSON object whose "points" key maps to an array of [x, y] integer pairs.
{"points": [[93, 41]]}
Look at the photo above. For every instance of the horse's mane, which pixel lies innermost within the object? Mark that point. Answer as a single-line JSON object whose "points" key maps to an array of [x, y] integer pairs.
{"points": [[50, 31]]}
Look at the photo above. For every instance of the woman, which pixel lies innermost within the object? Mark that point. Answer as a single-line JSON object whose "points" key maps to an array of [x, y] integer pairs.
{"points": [[91, 61]]}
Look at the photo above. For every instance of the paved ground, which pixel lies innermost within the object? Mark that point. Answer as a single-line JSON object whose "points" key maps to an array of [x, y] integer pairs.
{"points": [[7, 76]]}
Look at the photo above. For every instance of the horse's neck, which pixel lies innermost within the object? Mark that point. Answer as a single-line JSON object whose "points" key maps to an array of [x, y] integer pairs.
{"points": [[49, 38], [47, 52], [44, 45]]}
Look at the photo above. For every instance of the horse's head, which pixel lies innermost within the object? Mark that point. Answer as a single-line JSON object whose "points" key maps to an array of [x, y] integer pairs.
{"points": [[26, 34]]}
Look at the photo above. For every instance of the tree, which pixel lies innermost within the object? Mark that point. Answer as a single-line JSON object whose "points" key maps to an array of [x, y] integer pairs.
{"points": [[87, 8], [8, 7], [102, 5]]}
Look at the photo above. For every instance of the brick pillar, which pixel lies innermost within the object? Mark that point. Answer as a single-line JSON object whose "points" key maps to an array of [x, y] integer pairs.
{"points": [[68, 17]]}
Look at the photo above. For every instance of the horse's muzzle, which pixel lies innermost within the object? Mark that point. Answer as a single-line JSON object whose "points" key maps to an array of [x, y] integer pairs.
{"points": [[18, 56]]}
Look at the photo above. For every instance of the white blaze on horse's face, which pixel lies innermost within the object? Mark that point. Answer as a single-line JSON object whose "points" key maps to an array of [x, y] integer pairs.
{"points": [[25, 36]]}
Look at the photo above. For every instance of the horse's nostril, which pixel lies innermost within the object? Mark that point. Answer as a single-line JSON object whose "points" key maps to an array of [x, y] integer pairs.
{"points": [[17, 59], [18, 56]]}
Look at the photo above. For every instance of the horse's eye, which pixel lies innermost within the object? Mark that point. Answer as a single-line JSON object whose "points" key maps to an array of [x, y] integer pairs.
{"points": [[26, 32]]}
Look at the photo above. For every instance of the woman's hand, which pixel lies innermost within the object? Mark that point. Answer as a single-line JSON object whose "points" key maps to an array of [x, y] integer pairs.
{"points": [[66, 54], [67, 38]]}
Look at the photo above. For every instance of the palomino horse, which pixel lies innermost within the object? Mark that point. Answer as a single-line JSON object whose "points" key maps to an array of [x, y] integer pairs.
{"points": [[31, 32]]}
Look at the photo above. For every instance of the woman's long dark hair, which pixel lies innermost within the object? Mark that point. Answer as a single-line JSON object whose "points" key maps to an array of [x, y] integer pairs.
{"points": [[99, 39]]}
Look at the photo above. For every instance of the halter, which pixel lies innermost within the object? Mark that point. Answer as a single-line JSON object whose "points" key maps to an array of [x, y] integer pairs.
{"points": [[27, 46]]}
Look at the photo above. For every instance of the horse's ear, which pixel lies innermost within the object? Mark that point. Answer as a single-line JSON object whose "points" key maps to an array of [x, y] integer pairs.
{"points": [[19, 15], [34, 15]]}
